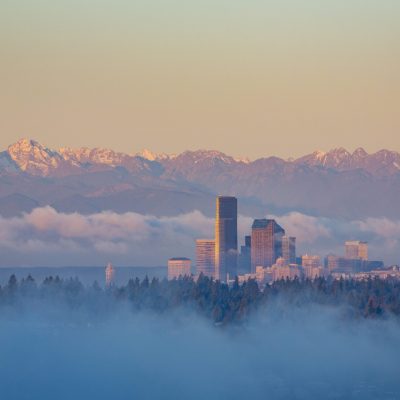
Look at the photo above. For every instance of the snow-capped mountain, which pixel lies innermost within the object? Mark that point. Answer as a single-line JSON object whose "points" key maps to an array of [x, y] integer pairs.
{"points": [[86, 180], [149, 155], [101, 159], [31, 157], [383, 162]]}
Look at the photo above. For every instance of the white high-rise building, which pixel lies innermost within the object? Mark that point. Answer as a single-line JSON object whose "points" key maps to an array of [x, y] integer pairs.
{"points": [[110, 274]]}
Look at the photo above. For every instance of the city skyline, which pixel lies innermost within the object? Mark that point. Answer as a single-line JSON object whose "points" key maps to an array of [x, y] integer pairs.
{"points": [[199, 199], [269, 254]]}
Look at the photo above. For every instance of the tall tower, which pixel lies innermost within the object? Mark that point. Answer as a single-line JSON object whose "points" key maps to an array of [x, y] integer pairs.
{"points": [[205, 257], [226, 238], [266, 243]]}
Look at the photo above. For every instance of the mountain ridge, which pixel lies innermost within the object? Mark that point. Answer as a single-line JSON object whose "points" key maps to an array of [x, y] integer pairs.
{"points": [[335, 183], [27, 155]]}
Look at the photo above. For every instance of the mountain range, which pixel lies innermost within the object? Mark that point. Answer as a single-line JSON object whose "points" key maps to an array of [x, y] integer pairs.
{"points": [[334, 184]]}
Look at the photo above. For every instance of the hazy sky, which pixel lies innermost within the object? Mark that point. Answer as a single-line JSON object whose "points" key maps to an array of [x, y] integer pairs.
{"points": [[254, 77]]}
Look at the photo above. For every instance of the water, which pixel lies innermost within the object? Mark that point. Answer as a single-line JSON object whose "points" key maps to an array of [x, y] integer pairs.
{"points": [[87, 275]]}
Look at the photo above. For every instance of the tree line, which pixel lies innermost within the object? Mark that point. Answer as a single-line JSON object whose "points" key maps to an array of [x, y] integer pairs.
{"points": [[216, 301]]}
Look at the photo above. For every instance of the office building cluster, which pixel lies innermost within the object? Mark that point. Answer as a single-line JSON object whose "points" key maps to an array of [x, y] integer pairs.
{"points": [[354, 261], [268, 253]]}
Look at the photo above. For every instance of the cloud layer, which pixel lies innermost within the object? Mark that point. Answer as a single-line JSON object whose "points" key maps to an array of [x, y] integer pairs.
{"points": [[49, 238]]}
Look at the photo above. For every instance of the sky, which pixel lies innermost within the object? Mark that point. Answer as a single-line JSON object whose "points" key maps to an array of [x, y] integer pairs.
{"points": [[250, 78]]}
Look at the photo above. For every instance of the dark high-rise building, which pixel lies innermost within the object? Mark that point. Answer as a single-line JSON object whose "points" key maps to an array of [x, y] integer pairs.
{"points": [[226, 238], [266, 243], [244, 262], [289, 249]]}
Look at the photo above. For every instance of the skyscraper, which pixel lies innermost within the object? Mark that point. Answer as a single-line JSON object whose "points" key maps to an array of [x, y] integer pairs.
{"points": [[289, 249], [244, 261], [266, 243], [356, 250], [226, 238], [205, 257]]}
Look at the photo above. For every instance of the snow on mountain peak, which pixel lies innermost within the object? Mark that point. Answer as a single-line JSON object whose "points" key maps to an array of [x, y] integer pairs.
{"points": [[360, 153], [95, 156], [244, 160], [340, 152], [151, 156], [31, 156], [319, 154]]}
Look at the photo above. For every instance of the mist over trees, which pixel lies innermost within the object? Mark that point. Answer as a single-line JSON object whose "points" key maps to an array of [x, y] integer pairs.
{"points": [[187, 339], [216, 302]]}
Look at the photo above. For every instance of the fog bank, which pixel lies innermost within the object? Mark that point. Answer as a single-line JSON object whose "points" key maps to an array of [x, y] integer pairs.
{"points": [[308, 353], [46, 237]]}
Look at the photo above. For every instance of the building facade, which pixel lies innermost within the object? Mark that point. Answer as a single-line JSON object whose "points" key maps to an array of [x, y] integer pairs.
{"points": [[266, 243], [244, 262], [205, 257], [343, 265], [179, 266], [289, 249], [356, 250], [312, 266], [226, 238]]}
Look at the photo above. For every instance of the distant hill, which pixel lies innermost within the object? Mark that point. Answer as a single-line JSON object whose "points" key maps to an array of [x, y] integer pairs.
{"points": [[335, 183]]}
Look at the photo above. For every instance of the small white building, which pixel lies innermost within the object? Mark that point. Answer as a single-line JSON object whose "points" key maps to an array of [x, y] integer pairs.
{"points": [[110, 275], [179, 266]]}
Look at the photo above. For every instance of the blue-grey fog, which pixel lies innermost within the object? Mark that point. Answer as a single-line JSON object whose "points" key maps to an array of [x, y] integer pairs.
{"points": [[52, 351]]}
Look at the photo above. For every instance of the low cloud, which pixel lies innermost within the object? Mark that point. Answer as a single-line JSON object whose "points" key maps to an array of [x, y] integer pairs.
{"points": [[306, 228], [50, 238], [47, 237]]}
